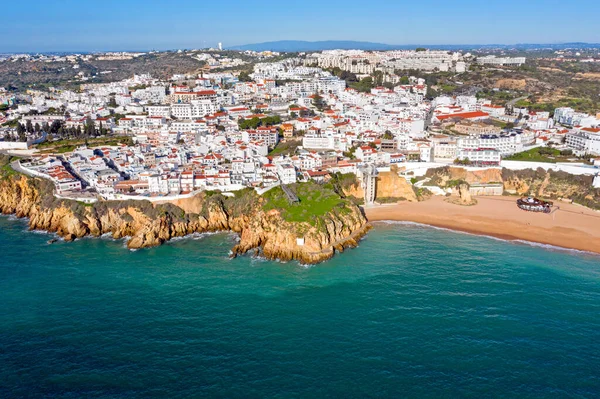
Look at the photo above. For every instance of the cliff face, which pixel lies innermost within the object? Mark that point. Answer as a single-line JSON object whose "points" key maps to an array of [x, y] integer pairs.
{"points": [[149, 225], [390, 186], [441, 176], [552, 185], [539, 183]]}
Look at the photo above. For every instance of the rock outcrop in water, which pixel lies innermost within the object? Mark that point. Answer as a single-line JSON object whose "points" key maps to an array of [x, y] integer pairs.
{"points": [[148, 225]]}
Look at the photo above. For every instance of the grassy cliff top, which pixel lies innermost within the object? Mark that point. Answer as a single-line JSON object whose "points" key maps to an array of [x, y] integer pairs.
{"points": [[315, 201]]}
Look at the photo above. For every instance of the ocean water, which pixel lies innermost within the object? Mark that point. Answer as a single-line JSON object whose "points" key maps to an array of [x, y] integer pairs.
{"points": [[413, 312]]}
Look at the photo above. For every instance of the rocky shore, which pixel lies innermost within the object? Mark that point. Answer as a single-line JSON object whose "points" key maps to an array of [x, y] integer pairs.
{"points": [[146, 224]]}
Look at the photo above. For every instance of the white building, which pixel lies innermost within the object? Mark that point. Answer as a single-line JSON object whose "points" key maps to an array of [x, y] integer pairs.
{"points": [[480, 156], [584, 142], [501, 61], [286, 173]]}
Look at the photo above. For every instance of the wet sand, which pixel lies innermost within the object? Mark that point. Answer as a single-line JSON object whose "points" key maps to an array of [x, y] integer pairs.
{"points": [[568, 226]]}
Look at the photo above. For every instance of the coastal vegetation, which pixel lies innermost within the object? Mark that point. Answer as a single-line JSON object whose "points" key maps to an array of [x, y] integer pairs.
{"points": [[68, 145], [314, 202], [342, 182], [6, 170], [544, 154]]}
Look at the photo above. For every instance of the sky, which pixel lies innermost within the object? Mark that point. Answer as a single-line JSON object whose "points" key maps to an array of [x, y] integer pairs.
{"points": [[86, 25]]}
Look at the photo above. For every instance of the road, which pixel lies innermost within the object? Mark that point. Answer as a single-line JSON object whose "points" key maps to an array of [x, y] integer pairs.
{"points": [[67, 166], [511, 103], [17, 166]]}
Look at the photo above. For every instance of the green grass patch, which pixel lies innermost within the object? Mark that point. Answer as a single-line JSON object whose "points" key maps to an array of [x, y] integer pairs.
{"points": [[540, 154], [286, 148], [67, 145], [315, 202], [5, 169]]}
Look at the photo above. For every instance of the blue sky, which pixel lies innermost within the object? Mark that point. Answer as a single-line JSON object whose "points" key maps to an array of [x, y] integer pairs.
{"points": [[67, 25]]}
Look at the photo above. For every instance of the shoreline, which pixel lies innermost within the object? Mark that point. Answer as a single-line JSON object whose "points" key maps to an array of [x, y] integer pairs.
{"points": [[569, 227], [504, 238]]}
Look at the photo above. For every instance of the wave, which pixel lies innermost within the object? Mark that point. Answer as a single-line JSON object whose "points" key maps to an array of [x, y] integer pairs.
{"points": [[548, 247], [554, 247], [193, 236]]}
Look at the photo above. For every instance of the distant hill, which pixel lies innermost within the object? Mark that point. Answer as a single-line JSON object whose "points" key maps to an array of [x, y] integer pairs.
{"points": [[299, 45]]}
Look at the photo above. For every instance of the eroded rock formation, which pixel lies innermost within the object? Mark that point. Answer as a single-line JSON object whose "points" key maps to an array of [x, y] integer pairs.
{"points": [[149, 225]]}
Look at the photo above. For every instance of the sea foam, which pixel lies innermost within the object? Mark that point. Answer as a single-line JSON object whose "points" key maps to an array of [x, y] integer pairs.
{"points": [[548, 247]]}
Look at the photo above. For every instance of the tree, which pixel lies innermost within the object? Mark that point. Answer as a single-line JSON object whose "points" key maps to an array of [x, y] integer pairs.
{"points": [[465, 161], [245, 124], [365, 85], [567, 152], [305, 113], [404, 80], [378, 78], [20, 129], [36, 128], [101, 129], [29, 126], [90, 127], [271, 120], [318, 102], [431, 93], [388, 135], [244, 76]]}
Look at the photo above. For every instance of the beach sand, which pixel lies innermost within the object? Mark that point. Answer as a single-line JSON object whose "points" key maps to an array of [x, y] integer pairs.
{"points": [[569, 226]]}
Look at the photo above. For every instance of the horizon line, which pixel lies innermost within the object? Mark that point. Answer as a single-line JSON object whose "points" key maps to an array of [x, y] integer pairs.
{"points": [[233, 47]]}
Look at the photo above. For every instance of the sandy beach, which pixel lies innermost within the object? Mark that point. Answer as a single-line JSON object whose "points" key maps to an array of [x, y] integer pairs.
{"points": [[569, 226]]}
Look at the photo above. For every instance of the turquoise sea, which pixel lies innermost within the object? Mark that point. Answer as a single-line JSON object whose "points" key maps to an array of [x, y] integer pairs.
{"points": [[413, 312]]}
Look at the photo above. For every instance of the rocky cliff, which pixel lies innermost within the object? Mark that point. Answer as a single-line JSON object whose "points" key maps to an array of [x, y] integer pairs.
{"points": [[446, 175], [390, 185], [552, 185], [148, 225], [538, 183], [390, 188]]}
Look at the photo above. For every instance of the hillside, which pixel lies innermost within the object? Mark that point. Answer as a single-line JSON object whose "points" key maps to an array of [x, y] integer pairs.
{"points": [[38, 74]]}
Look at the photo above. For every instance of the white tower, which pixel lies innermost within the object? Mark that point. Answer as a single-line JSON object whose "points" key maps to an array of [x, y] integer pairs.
{"points": [[220, 46]]}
